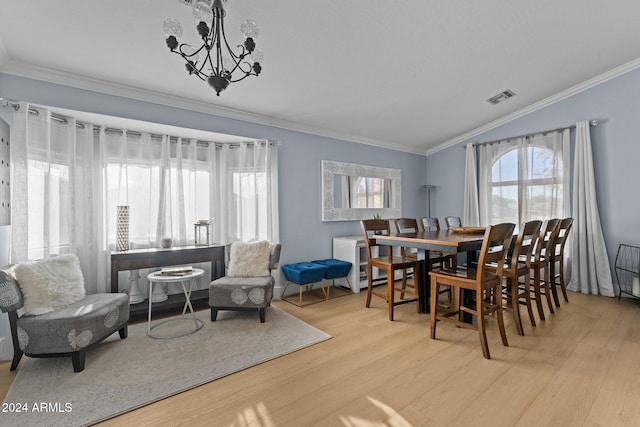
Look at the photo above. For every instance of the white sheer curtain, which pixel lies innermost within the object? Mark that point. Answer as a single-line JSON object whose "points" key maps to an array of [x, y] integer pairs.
{"points": [[590, 270], [56, 205], [487, 156], [245, 192], [471, 214], [165, 182], [68, 180]]}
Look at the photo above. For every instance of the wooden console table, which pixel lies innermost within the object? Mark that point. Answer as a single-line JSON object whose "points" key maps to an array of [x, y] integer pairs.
{"points": [[136, 259]]}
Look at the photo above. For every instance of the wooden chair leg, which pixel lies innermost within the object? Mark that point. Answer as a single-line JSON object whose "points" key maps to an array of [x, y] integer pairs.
{"points": [[482, 333], [433, 307], [547, 288], [552, 282], [404, 283], [262, 313], [536, 291], [562, 284], [527, 298], [369, 286], [124, 332], [77, 360], [499, 314], [17, 355], [515, 304]]}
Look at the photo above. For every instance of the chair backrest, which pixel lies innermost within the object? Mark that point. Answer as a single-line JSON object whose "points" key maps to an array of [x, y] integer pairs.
{"points": [[453, 221], [371, 227], [495, 244], [546, 239], [430, 223], [563, 234], [11, 298], [274, 255], [525, 242], [407, 225]]}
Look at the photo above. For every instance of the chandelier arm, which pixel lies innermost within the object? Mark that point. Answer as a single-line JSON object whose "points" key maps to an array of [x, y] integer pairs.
{"points": [[237, 59], [195, 70], [246, 74]]}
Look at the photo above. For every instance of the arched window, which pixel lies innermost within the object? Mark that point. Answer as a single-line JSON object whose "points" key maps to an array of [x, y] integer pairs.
{"points": [[525, 180]]}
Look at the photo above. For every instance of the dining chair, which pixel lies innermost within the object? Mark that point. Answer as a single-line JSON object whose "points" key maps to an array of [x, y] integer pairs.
{"points": [[516, 265], [540, 265], [429, 223], [389, 263], [485, 283], [557, 257], [453, 221], [436, 259]]}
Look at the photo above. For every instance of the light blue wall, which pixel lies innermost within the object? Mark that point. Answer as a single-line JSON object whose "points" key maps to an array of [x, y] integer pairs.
{"points": [[303, 235], [616, 155]]}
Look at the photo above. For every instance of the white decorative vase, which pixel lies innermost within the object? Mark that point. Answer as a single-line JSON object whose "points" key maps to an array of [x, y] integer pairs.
{"points": [[122, 229]]}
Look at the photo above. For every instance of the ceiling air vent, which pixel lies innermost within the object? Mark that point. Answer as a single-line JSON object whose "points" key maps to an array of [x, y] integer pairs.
{"points": [[502, 96]]}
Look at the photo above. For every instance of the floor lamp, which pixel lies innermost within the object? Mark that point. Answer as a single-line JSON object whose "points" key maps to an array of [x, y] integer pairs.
{"points": [[429, 188]]}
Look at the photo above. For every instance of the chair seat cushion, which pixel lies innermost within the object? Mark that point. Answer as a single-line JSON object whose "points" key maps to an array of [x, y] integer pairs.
{"points": [[304, 273], [241, 292], [335, 267], [74, 326]]}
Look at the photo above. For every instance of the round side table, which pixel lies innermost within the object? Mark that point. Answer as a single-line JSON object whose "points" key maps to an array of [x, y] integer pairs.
{"points": [[186, 280]]}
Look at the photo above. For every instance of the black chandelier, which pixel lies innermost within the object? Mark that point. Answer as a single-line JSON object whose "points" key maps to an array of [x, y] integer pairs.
{"points": [[215, 62]]}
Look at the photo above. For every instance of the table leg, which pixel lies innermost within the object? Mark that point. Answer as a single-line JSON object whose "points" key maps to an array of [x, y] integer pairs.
{"points": [[424, 290], [187, 294], [149, 316], [467, 296]]}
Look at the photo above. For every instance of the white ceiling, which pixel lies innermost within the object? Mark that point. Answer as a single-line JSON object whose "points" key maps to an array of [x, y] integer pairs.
{"points": [[406, 74]]}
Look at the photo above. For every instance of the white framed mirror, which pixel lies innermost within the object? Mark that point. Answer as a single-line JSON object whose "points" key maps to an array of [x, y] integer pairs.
{"points": [[351, 191]]}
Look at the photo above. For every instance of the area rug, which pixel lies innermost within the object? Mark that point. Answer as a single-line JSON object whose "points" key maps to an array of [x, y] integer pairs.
{"points": [[122, 375]]}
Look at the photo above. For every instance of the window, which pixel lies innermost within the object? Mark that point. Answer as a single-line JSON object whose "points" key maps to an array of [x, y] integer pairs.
{"points": [[525, 180]]}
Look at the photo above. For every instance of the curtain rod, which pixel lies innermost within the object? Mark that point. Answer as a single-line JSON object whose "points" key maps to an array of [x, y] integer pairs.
{"points": [[479, 144], [61, 119]]}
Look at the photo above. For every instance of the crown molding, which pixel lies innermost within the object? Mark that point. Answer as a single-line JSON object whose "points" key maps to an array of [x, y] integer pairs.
{"points": [[588, 84], [21, 69]]}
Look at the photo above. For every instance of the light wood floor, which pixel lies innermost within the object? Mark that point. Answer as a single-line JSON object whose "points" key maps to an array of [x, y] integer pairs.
{"points": [[581, 367]]}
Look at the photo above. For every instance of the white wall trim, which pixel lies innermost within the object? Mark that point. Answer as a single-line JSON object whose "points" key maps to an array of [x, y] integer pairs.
{"points": [[21, 69], [588, 84]]}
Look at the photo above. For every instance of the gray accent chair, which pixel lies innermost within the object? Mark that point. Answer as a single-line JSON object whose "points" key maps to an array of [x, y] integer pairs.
{"points": [[244, 293], [66, 331]]}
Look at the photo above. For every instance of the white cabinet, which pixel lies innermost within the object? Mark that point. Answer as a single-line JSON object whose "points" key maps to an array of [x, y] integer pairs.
{"points": [[353, 250]]}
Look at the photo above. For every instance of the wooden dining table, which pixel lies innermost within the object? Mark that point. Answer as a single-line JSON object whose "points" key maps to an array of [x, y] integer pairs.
{"points": [[427, 241]]}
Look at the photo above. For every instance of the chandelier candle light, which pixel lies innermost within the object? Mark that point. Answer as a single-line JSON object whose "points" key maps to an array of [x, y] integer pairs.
{"points": [[215, 62]]}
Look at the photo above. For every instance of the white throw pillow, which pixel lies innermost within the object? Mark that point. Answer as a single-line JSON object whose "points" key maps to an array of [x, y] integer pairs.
{"points": [[50, 284], [249, 259]]}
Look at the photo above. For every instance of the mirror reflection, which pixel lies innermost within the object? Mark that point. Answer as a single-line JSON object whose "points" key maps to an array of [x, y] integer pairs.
{"points": [[351, 191], [361, 192]]}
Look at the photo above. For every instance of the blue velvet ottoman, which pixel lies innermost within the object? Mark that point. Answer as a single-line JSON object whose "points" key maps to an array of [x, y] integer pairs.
{"points": [[336, 269], [305, 275]]}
